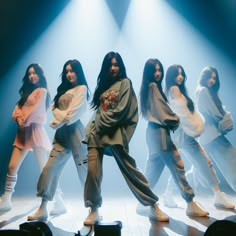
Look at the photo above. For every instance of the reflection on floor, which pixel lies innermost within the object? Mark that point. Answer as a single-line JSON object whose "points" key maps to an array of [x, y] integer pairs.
{"points": [[122, 209]]}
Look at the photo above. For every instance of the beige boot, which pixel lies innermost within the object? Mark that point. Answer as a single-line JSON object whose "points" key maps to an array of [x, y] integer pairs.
{"points": [[41, 214], [158, 215], [193, 209], [92, 218]]}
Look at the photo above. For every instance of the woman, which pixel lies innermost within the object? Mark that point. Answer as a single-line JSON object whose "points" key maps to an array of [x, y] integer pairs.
{"points": [[192, 125], [161, 121], [109, 132], [30, 116], [218, 122], [70, 103]]}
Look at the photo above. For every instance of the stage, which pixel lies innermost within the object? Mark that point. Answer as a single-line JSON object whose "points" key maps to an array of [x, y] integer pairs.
{"points": [[122, 209]]}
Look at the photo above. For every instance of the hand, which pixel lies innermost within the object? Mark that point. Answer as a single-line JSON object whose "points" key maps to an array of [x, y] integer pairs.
{"points": [[20, 122], [53, 124]]}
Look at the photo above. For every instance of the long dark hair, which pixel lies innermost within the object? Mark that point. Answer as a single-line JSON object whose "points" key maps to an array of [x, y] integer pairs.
{"points": [[171, 74], [148, 77], [104, 80], [65, 84], [204, 76], [27, 88]]}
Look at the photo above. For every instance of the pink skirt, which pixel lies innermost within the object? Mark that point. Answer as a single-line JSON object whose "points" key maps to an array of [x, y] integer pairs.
{"points": [[32, 136]]}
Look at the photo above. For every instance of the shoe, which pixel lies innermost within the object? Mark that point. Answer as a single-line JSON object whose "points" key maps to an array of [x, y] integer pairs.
{"points": [[221, 201], [92, 218], [5, 204], [193, 209], [142, 210], [156, 214], [58, 207], [40, 215], [169, 201]]}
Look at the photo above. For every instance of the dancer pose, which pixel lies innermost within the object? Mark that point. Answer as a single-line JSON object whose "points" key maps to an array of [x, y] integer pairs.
{"points": [[191, 126], [30, 116], [109, 131], [161, 121], [70, 103], [218, 122]]}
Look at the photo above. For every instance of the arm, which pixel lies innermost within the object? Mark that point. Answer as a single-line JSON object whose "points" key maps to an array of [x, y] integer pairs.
{"points": [[74, 111], [160, 109], [18, 116], [206, 105], [192, 123], [34, 109]]}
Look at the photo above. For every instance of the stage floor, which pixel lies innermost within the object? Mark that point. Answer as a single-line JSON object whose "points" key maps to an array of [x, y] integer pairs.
{"points": [[122, 209]]}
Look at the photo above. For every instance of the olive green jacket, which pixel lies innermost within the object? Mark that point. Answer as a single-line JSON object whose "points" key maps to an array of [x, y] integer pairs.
{"points": [[115, 120]]}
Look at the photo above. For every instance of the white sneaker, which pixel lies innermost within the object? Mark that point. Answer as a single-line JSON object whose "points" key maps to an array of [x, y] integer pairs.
{"points": [[193, 209], [169, 201], [58, 207], [155, 213], [221, 201], [5, 204], [142, 210], [92, 218], [41, 214]]}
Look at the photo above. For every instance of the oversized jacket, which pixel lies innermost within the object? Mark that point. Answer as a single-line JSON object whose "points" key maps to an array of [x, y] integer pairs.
{"points": [[159, 111], [72, 105], [192, 123], [115, 120], [212, 115], [33, 112]]}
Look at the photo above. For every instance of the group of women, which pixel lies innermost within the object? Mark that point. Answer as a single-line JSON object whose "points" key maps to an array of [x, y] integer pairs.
{"points": [[171, 115]]}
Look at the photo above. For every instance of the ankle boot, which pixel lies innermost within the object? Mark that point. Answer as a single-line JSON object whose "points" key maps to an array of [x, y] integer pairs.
{"points": [[222, 202], [5, 202], [41, 214]]}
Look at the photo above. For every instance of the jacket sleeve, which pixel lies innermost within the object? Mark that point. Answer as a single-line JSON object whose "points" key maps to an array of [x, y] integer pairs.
{"points": [[34, 109], [160, 109], [192, 123], [206, 105], [17, 113], [74, 111], [115, 117]]}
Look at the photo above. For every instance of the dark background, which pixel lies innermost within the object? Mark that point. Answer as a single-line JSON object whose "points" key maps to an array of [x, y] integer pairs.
{"points": [[22, 21]]}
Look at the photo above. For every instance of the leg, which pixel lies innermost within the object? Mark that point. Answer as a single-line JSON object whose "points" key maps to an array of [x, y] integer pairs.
{"points": [[201, 162], [137, 182], [41, 156], [79, 151], [168, 197], [58, 206], [81, 167], [176, 166], [225, 158], [17, 157], [153, 169], [92, 188], [204, 166], [49, 178]]}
